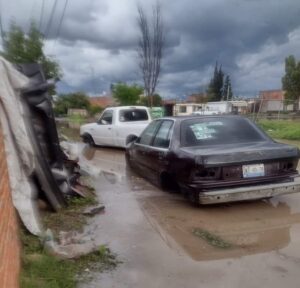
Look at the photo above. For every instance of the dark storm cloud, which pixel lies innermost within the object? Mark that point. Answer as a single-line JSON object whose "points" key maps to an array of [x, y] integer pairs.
{"points": [[249, 38], [228, 29]]}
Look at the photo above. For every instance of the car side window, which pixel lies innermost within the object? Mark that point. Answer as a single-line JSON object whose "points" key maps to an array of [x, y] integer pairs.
{"points": [[106, 118], [162, 137], [149, 132]]}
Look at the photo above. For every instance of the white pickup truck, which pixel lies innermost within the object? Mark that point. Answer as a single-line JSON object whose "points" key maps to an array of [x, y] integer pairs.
{"points": [[117, 126]]}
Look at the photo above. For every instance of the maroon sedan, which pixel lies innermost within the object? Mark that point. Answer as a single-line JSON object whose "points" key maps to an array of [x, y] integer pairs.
{"points": [[214, 159]]}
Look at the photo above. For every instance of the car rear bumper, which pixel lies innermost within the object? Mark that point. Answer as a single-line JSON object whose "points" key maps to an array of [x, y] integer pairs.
{"points": [[249, 192]]}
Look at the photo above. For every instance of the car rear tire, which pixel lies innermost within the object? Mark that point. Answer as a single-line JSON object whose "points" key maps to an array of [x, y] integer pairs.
{"points": [[168, 183], [193, 197]]}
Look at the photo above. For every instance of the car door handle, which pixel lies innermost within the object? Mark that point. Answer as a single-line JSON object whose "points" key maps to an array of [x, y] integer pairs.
{"points": [[109, 128]]}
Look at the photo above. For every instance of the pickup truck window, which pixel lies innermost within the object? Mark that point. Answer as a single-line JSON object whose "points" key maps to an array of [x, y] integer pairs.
{"points": [[106, 118], [130, 115]]}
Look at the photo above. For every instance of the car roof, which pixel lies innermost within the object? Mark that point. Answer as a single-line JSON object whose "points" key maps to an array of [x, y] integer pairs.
{"points": [[127, 107], [181, 118]]}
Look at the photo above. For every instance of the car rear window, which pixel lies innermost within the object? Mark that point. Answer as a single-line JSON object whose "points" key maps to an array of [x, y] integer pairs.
{"points": [[218, 131], [134, 114]]}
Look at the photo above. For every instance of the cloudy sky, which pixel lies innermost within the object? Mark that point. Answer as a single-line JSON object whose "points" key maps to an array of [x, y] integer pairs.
{"points": [[97, 42]]}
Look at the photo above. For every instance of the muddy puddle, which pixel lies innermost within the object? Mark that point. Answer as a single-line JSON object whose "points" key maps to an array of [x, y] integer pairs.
{"points": [[249, 227]]}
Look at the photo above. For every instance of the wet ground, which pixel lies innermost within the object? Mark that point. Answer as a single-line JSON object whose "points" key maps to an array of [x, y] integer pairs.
{"points": [[152, 233]]}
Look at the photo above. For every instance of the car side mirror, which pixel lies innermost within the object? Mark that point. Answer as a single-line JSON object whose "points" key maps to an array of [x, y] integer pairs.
{"points": [[132, 139]]}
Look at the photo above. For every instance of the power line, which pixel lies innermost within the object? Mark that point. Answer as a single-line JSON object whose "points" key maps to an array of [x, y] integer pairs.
{"points": [[61, 20], [42, 15], [1, 25], [50, 19]]}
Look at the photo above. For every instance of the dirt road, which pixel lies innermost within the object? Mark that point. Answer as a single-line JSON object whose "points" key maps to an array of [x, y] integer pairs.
{"points": [[152, 233]]}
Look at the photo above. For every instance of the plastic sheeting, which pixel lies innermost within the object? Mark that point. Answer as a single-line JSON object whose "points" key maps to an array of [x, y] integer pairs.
{"points": [[18, 146]]}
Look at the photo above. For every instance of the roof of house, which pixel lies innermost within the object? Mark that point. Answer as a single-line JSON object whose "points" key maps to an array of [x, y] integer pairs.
{"points": [[102, 101], [197, 97], [271, 95]]}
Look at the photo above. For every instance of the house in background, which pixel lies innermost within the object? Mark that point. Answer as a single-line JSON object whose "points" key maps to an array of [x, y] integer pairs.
{"points": [[77, 112], [184, 109], [274, 101], [240, 106], [102, 101], [197, 98], [168, 105]]}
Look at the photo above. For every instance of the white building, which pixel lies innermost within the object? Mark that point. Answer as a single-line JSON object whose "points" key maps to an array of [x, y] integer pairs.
{"points": [[209, 108]]}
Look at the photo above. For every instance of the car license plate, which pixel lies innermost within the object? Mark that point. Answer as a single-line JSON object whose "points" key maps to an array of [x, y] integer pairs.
{"points": [[254, 170]]}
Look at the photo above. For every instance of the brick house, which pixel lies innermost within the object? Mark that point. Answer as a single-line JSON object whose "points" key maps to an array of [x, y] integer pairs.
{"points": [[102, 101], [274, 100], [9, 229]]}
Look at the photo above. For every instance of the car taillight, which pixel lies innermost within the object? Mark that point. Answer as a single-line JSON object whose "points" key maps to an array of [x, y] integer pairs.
{"points": [[207, 173], [288, 165]]}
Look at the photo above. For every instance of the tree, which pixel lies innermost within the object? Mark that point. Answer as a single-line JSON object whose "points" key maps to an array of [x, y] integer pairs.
{"points": [[291, 80], [227, 89], [28, 48], [215, 87], [150, 49], [77, 100], [94, 109], [156, 100], [126, 94]]}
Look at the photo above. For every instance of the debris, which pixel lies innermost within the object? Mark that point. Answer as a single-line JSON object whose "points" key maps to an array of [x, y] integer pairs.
{"points": [[71, 149], [91, 211], [82, 191], [70, 247]]}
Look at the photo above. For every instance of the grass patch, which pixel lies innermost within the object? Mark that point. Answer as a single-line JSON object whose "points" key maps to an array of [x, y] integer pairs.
{"points": [[212, 239], [40, 269], [70, 218], [281, 129], [77, 118], [80, 202], [70, 133]]}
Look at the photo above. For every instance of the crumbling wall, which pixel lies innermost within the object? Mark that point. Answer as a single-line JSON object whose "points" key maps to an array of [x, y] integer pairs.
{"points": [[9, 234]]}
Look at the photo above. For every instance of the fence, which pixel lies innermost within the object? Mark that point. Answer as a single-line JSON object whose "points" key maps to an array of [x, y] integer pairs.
{"points": [[274, 109]]}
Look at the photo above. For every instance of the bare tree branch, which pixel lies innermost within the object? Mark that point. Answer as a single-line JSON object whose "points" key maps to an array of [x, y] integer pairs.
{"points": [[150, 49]]}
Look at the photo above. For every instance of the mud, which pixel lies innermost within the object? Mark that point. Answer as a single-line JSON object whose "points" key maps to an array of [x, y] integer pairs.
{"points": [[152, 233]]}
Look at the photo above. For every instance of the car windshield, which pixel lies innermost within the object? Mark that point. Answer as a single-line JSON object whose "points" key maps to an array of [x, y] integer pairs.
{"points": [[130, 115], [219, 131]]}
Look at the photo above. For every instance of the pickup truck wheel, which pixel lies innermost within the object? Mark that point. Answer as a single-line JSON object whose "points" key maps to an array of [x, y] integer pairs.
{"points": [[87, 138]]}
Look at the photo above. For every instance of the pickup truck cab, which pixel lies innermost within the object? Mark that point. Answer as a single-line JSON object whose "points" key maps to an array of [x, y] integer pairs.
{"points": [[117, 126]]}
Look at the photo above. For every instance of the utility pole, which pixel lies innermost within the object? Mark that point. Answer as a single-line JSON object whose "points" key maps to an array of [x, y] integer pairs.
{"points": [[227, 92]]}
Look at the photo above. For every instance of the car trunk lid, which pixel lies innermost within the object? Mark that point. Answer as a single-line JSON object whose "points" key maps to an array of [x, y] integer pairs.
{"points": [[243, 153]]}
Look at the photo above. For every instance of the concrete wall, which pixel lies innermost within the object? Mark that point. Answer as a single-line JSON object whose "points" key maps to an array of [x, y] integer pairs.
{"points": [[9, 231]]}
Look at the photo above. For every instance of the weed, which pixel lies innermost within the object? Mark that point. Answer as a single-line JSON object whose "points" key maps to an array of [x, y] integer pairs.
{"points": [[40, 269], [80, 202], [70, 218], [212, 239], [99, 260]]}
